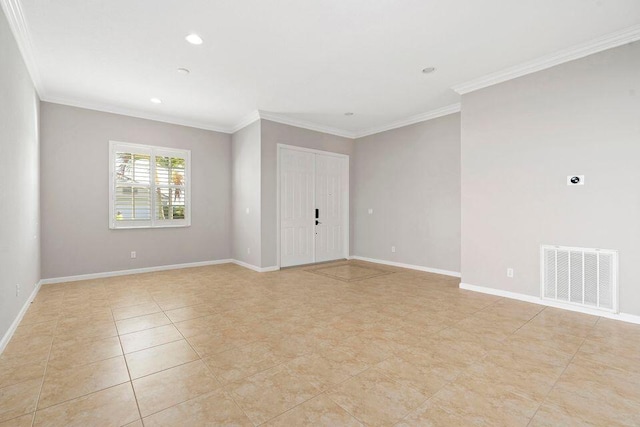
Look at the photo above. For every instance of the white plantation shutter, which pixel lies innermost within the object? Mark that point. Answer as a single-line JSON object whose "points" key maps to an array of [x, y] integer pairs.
{"points": [[132, 185], [170, 179], [149, 186]]}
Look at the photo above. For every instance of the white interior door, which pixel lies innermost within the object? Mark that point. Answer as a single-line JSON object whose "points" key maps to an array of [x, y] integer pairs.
{"points": [[296, 207], [329, 177], [313, 219]]}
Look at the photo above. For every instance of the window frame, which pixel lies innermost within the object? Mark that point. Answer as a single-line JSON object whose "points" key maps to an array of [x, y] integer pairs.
{"points": [[152, 151]]}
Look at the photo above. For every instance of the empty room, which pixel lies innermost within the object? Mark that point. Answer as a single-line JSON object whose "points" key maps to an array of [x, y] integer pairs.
{"points": [[319, 213]]}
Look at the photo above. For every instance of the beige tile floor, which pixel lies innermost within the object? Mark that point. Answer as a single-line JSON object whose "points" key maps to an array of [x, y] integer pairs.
{"points": [[223, 345]]}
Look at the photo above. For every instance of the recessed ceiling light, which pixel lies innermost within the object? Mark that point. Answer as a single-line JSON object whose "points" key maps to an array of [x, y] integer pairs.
{"points": [[194, 39], [183, 71], [348, 114], [428, 70], [156, 100]]}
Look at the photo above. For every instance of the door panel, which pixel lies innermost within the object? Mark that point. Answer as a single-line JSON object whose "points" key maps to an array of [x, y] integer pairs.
{"points": [[296, 207], [330, 190], [310, 181]]}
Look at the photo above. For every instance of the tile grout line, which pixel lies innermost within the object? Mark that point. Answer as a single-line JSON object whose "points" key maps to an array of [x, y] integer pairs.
{"points": [[333, 386], [151, 346], [235, 401], [46, 367], [123, 356], [563, 370], [421, 403], [376, 294], [289, 359], [305, 401], [82, 396], [484, 356], [91, 392], [562, 373], [126, 363], [449, 382], [221, 387], [224, 386]]}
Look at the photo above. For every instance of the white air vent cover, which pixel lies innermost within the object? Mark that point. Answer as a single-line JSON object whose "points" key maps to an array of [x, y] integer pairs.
{"points": [[580, 276]]}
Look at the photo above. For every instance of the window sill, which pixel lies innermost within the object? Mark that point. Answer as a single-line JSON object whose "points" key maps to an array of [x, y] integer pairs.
{"points": [[145, 227]]}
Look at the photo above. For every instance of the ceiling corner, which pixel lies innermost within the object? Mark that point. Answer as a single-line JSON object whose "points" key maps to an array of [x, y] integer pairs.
{"points": [[246, 121], [18, 24], [422, 117], [286, 120]]}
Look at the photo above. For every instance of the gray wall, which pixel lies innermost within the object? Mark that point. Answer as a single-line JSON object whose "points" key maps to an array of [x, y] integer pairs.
{"points": [[245, 190], [19, 186], [276, 133], [520, 140], [410, 177], [76, 238]]}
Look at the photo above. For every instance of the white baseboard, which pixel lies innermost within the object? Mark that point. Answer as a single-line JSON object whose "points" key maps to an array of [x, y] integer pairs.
{"points": [[409, 266], [12, 329], [132, 271], [255, 268], [501, 293], [630, 318]]}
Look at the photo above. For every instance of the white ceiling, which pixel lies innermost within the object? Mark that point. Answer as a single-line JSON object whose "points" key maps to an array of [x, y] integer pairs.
{"points": [[306, 61]]}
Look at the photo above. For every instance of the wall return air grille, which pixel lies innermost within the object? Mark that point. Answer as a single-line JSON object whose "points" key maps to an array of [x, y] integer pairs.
{"points": [[580, 276]]}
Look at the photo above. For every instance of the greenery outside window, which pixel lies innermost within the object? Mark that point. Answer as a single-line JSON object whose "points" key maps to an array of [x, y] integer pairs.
{"points": [[148, 186]]}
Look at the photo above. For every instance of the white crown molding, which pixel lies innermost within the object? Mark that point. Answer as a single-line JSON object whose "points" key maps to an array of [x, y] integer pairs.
{"points": [[20, 29], [599, 44], [423, 117], [246, 121], [409, 266], [136, 113], [278, 118], [625, 317]]}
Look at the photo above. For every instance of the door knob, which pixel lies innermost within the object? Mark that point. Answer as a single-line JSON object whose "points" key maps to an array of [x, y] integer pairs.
{"points": [[318, 222]]}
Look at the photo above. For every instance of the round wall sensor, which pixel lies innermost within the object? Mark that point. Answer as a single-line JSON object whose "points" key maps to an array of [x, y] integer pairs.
{"points": [[575, 180]]}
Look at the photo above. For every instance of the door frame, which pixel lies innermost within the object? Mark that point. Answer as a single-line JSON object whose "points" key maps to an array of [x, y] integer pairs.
{"points": [[345, 196]]}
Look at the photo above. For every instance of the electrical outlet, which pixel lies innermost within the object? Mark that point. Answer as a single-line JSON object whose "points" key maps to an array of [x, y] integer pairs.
{"points": [[249, 250], [133, 254], [17, 289], [370, 211], [393, 248], [509, 272]]}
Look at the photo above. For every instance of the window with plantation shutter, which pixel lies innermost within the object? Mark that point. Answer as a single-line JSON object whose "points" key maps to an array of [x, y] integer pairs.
{"points": [[149, 186]]}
